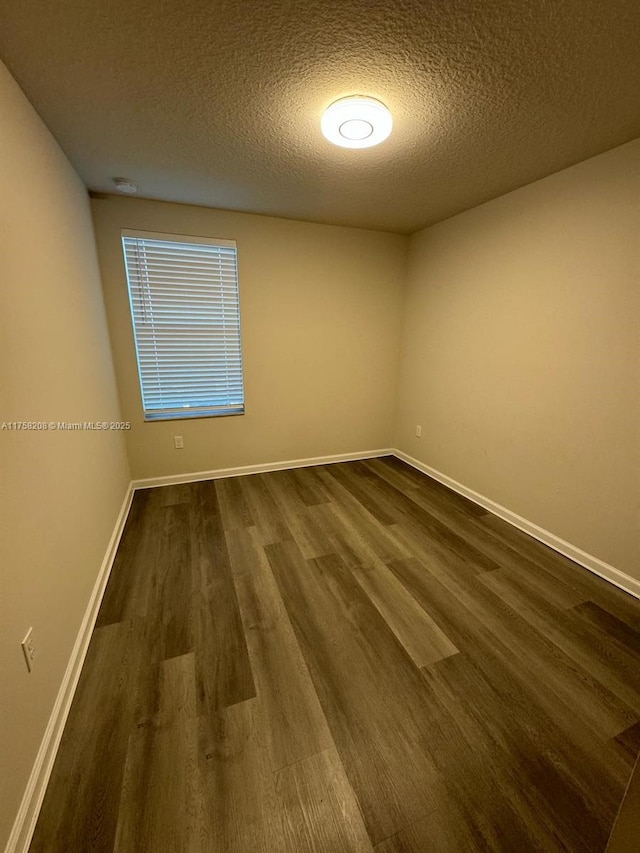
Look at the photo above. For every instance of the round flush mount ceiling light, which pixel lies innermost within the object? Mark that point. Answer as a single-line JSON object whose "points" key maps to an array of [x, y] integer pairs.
{"points": [[356, 122], [124, 185]]}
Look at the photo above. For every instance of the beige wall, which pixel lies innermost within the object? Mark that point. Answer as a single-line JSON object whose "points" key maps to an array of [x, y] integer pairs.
{"points": [[321, 308], [521, 357], [60, 493]]}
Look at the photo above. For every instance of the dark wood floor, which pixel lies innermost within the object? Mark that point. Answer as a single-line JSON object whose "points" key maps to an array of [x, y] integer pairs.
{"points": [[345, 658]]}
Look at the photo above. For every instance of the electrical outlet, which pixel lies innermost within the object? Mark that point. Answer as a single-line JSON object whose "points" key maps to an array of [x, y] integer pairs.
{"points": [[29, 649], [419, 431], [178, 440]]}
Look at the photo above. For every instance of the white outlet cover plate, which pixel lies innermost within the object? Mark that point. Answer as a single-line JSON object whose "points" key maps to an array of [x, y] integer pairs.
{"points": [[28, 649]]}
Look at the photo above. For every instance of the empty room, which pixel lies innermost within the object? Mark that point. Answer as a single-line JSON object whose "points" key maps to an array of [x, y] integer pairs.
{"points": [[320, 426]]}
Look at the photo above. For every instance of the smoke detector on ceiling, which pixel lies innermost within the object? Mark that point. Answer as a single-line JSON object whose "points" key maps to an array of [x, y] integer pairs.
{"points": [[124, 185], [356, 122]]}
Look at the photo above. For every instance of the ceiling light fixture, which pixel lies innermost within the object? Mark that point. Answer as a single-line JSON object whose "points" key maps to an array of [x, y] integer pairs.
{"points": [[124, 185], [356, 122]]}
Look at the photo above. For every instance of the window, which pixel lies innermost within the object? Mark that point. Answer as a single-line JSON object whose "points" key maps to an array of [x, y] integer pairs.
{"points": [[186, 322]]}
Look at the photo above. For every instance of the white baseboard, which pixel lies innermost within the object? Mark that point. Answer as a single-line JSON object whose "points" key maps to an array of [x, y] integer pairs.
{"points": [[588, 561], [25, 822], [174, 479]]}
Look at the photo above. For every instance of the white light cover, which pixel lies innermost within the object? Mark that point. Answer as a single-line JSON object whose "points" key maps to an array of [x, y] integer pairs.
{"points": [[356, 122]]}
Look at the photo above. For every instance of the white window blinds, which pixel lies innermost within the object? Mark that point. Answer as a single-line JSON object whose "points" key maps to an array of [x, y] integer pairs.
{"points": [[186, 320]]}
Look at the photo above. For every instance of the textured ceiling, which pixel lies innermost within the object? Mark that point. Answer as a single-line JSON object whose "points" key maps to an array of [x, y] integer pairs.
{"points": [[217, 102]]}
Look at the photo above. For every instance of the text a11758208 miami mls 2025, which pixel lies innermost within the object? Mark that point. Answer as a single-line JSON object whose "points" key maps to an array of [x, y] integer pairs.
{"points": [[63, 426]]}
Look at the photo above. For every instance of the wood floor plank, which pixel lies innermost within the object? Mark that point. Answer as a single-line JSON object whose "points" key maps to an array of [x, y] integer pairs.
{"points": [[237, 783], [459, 515], [596, 589], [366, 539], [611, 626], [397, 507], [136, 549], [433, 487], [223, 670], [319, 810], [176, 493], [422, 531], [296, 516], [307, 805], [294, 724], [421, 638], [234, 509], [612, 667], [555, 591], [307, 485], [626, 830], [629, 740], [161, 803], [292, 490], [421, 488], [453, 829], [347, 646], [315, 534], [208, 544], [618, 603], [80, 808], [332, 536], [424, 547], [403, 478], [504, 765], [174, 584], [155, 582], [161, 806], [265, 513], [547, 685], [445, 830], [355, 481]]}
